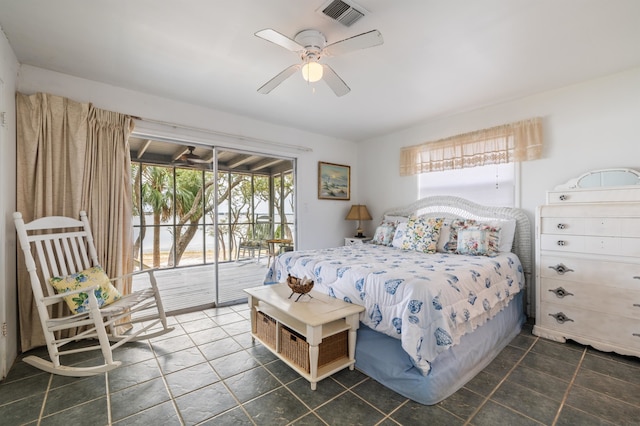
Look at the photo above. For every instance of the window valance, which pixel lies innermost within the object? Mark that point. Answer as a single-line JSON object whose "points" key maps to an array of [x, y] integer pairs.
{"points": [[520, 141]]}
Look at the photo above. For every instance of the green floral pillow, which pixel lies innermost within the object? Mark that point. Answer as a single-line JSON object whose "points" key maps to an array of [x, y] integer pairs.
{"points": [[422, 234], [106, 293]]}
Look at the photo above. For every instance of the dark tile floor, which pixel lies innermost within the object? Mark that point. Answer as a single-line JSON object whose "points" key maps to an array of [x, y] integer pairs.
{"points": [[207, 371]]}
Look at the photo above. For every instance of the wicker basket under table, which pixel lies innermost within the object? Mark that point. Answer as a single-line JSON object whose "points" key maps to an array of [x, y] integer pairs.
{"points": [[295, 348], [266, 329]]}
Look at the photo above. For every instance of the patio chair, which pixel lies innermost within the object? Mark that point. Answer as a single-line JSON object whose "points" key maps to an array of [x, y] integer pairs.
{"points": [[67, 272], [258, 241]]}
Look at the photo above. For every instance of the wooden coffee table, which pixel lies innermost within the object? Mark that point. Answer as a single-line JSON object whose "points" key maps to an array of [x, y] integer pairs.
{"points": [[315, 318]]}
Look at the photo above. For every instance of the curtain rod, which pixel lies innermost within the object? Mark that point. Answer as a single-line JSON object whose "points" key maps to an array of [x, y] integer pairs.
{"points": [[226, 135]]}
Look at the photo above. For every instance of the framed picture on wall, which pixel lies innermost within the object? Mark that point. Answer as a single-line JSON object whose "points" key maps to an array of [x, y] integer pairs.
{"points": [[334, 181]]}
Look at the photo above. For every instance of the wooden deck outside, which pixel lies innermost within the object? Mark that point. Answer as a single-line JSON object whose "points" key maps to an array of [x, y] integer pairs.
{"points": [[194, 287]]}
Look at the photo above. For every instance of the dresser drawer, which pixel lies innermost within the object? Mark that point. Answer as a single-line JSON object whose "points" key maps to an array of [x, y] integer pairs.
{"points": [[611, 274], [590, 244], [591, 325], [626, 227], [594, 195], [562, 225], [621, 301]]}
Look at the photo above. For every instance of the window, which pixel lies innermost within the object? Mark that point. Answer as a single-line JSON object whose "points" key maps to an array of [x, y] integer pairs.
{"points": [[493, 185], [173, 209], [175, 203], [481, 166]]}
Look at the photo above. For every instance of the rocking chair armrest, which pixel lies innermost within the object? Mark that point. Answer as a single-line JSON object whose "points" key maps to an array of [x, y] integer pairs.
{"points": [[134, 273], [59, 297]]}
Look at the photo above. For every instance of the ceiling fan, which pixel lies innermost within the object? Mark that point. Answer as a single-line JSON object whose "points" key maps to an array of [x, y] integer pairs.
{"points": [[189, 158], [312, 46]]}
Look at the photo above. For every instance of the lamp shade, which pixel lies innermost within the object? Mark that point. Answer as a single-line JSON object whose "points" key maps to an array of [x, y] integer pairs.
{"points": [[312, 71], [358, 212]]}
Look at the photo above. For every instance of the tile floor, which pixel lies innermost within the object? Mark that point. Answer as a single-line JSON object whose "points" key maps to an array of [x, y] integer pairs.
{"points": [[207, 371]]}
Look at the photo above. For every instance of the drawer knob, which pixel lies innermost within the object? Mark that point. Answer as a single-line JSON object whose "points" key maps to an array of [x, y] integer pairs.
{"points": [[562, 197], [561, 269], [561, 317], [635, 334], [562, 226], [636, 305], [561, 292], [562, 243], [636, 277]]}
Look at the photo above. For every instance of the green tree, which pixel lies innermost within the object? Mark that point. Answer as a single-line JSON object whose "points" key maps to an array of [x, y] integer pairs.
{"points": [[157, 195], [154, 189]]}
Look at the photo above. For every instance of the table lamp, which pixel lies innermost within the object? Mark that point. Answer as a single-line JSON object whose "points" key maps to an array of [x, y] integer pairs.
{"points": [[358, 212]]}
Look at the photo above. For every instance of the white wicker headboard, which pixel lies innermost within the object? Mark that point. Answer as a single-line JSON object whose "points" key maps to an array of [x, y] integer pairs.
{"points": [[452, 207]]}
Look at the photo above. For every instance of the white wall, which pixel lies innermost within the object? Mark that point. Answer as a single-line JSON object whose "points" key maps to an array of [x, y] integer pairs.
{"points": [[8, 310], [587, 126], [320, 222]]}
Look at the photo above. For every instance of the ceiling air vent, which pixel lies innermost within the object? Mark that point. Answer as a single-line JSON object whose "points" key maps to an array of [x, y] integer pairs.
{"points": [[342, 12]]}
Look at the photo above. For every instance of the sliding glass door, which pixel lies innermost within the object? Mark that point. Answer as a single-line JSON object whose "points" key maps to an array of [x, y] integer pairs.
{"points": [[202, 217]]}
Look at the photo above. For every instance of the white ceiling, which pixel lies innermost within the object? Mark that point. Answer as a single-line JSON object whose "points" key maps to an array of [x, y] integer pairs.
{"points": [[439, 57]]}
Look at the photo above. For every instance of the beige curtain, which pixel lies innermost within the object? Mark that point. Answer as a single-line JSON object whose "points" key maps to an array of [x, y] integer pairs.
{"points": [[106, 191], [520, 141], [63, 147]]}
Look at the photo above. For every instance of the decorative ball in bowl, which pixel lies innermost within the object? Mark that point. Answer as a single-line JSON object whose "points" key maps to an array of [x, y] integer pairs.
{"points": [[299, 285]]}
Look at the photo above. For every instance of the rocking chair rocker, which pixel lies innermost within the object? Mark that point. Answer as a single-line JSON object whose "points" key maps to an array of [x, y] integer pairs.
{"points": [[66, 254]]}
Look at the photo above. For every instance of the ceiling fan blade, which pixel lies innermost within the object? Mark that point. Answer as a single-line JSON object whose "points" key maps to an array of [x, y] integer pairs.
{"points": [[332, 79], [197, 161], [281, 40], [275, 81], [360, 41]]}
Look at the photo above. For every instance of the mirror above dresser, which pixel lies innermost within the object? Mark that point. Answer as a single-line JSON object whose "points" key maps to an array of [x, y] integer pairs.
{"points": [[598, 186], [603, 178]]}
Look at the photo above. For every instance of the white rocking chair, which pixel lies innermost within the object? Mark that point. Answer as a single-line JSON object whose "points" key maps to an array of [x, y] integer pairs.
{"points": [[64, 246]]}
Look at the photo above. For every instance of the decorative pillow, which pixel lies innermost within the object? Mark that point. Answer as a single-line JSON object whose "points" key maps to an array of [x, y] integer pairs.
{"points": [[451, 244], [422, 234], [507, 232], [384, 233], [479, 240], [106, 293], [398, 237]]}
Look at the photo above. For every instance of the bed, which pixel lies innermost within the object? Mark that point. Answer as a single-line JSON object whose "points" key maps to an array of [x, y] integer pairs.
{"points": [[444, 290]]}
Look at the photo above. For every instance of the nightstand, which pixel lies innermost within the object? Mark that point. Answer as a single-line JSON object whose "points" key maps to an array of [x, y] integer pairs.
{"points": [[352, 241]]}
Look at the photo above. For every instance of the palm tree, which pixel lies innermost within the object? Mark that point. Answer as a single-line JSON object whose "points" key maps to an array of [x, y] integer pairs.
{"points": [[190, 196], [190, 207], [156, 195]]}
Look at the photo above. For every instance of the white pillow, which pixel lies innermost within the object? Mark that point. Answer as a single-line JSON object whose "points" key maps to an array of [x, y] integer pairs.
{"points": [[445, 232], [398, 237], [507, 232]]}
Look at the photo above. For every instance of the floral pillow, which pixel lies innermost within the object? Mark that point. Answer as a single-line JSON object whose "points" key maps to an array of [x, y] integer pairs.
{"points": [[422, 234], [481, 240], [451, 246], [106, 293], [384, 233]]}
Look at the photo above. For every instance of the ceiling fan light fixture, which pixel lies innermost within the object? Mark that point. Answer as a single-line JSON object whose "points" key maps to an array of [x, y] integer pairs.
{"points": [[312, 71]]}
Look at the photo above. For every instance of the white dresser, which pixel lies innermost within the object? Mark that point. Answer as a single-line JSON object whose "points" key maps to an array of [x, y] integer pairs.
{"points": [[588, 267]]}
